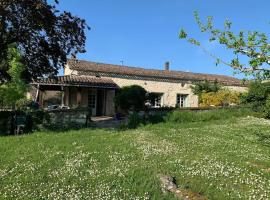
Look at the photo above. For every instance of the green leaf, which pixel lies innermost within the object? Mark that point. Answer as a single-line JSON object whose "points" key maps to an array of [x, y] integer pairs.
{"points": [[182, 34]]}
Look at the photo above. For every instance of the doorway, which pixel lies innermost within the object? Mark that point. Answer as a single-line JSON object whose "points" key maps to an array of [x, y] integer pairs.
{"points": [[101, 103]]}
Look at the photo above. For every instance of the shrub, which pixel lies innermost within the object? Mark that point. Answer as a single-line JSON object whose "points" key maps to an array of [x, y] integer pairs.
{"points": [[23, 104], [134, 120], [220, 98], [205, 87], [257, 95], [130, 98], [156, 118], [267, 108], [14, 89]]}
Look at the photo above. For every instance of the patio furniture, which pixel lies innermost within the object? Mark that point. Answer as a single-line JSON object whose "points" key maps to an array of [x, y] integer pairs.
{"points": [[20, 123]]}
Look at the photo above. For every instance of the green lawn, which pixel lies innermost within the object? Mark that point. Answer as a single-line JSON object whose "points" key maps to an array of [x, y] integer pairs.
{"points": [[220, 159]]}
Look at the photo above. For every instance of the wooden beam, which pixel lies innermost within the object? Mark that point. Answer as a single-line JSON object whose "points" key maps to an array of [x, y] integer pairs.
{"points": [[79, 96], [37, 94], [62, 96]]}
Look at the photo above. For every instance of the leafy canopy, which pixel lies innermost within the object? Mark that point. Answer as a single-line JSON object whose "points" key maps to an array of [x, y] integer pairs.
{"points": [[253, 45], [15, 89], [131, 98], [199, 87], [222, 98], [257, 95], [44, 35]]}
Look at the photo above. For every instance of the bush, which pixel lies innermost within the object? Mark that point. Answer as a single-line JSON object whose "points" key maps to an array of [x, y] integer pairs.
{"points": [[220, 98], [205, 87], [257, 95], [267, 108], [23, 104], [156, 118], [134, 120], [130, 98]]}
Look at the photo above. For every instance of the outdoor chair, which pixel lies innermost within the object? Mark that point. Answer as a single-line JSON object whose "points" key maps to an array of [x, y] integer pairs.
{"points": [[20, 123]]}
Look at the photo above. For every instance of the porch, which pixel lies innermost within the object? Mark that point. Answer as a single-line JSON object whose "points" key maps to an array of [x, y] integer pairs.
{"points": [[94, 93]]}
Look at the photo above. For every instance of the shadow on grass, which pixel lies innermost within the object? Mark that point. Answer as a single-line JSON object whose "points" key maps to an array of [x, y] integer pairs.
{"points": [[263, 138], [176, 117]]}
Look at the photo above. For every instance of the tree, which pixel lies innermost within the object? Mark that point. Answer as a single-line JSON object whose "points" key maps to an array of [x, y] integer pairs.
{"points": [[251, 44], [15, 89], [44, 36], [205, 86], [131, 98], [257, 95]]}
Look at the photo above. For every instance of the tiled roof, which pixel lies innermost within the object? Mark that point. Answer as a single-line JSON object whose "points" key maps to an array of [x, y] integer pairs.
{"points": [[72, 80], [90, 68]]}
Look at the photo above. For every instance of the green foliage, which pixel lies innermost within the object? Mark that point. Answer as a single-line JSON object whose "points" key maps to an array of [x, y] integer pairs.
{"points": [[252, 45], [131, 98], [134, 120], [204, 116], [257, 95], [267, 108], [157, 118], [23, 104], [45, 35], [213, 158], [182, 34], [204, 87], [15, 89], [221, 98]]}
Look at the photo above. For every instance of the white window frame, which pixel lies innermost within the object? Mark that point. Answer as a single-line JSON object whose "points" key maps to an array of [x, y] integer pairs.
{"points": [[182, 100], [158, 102]]}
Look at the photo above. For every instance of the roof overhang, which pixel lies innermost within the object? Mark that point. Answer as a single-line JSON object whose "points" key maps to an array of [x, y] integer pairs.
{"points": [[57, 83]]}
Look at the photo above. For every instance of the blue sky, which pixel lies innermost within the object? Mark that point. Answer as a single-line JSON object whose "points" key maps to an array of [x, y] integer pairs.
{"points": [[144, 33]]}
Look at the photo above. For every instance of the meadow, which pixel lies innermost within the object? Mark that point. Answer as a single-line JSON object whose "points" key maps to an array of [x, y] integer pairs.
{"points": [[216, 154]]}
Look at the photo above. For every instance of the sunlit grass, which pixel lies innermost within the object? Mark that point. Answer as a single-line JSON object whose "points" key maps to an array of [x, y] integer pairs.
{"points": [[220, 159]]}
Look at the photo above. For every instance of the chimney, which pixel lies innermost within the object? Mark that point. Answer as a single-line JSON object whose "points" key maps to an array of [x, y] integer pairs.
{"points": [[167, 66]]}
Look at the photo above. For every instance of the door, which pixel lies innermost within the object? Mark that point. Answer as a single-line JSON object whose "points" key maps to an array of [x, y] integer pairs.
{"points": [[101, 102], [92, 101]]}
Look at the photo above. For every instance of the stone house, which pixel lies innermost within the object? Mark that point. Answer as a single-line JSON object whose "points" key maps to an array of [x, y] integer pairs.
{"points": [[93, 85]]}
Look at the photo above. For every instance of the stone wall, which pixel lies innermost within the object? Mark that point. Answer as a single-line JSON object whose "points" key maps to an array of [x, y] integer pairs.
{"points": [[169, 90], [66, 118]]}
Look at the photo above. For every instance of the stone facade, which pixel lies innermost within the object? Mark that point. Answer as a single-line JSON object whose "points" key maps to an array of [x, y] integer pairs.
{"points": [[75, 93], [169, 89], [66, 118]]}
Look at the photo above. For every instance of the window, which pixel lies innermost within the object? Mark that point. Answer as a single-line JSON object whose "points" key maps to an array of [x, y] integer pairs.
{"points": [[156, 99], [91, 99], [181, 100]]}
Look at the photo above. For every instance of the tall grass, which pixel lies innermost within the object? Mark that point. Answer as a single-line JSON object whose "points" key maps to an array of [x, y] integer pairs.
{"points": [[205, 116]]}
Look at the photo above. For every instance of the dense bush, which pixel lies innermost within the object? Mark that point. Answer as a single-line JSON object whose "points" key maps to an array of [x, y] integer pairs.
{"points": [[23, 104], [266, 109], [130, 98], [205, 87], [221, 98], [134, 120], [15, 89], [157, 118], [257, 95]]}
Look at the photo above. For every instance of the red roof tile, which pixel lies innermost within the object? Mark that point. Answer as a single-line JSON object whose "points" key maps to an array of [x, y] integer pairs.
{"points": [[92, 68], [73, 80]]}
